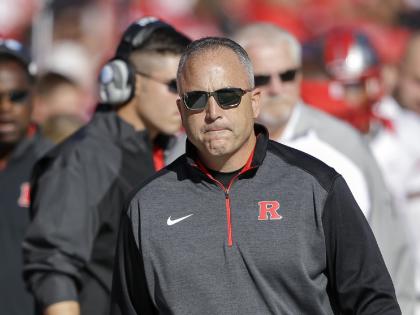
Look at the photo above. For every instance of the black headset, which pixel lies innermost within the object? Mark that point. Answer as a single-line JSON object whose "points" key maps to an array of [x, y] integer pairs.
{"points": [[117, 79]]}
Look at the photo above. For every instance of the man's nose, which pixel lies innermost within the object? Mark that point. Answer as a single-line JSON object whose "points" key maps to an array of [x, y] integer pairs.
{"points": [[275, 85], [5, 103], [212, 109]]}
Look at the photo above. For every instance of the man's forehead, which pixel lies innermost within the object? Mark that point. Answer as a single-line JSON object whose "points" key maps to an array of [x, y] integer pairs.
{"points": [[217, 59], [266, 48], [214, 69], [13, 72], [277, 56]]}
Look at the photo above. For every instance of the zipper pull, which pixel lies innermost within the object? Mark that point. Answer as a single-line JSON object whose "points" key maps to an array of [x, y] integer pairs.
{"points": [[227, 194]]}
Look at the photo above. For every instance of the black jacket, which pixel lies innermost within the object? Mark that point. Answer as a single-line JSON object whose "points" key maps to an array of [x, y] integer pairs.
{"points": [[14, 212], [285, 237], [79, 189]]}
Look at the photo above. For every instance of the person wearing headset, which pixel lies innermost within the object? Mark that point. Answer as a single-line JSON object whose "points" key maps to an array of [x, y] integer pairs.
{"points": [[81, 184]]}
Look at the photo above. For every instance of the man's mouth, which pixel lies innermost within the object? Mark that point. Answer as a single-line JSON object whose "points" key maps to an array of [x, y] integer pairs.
{"points": [[7, 126]]}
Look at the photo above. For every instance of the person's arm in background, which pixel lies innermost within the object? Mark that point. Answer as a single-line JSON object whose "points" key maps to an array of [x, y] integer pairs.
{"points": [[59, 240], [130, 295], [358, 281], [390, 231], [383, 216]]}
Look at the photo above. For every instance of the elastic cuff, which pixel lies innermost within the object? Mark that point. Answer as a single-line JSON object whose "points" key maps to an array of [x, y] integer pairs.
{"points": [[55, 288]]}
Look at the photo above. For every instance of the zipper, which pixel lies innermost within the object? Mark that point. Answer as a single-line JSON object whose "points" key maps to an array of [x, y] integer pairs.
{"points": [[226, 191], [228, 209], [228, 218], [227, 199]]}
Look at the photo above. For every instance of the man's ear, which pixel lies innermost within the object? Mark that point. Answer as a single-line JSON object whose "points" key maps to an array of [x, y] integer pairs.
{"points": [[179, 104], [255, 102], [180, 109], [137, 85]]}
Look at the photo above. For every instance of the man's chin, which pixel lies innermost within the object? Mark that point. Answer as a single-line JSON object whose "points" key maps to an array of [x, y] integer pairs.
{"points": [[9, 138], [217, 148], [273, 122]]}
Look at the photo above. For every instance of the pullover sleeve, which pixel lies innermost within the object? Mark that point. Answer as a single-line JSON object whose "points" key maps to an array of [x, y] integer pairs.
{"points": [[358, 281], [130, 295], [59, 240]]}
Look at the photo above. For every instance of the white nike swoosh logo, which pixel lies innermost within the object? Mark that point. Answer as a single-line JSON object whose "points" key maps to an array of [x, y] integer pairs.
{"points": [[172, 222]]}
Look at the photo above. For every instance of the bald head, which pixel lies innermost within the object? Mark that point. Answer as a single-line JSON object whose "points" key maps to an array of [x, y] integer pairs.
{"points": [[214, 45], [276, 58], [264, 34]]}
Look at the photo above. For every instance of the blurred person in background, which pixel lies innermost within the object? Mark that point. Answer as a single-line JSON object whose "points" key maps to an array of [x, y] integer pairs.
{"points": [[56, 94], [352, 66], [20, 146], [196, 18], [80, 186], [397, 148], [407, 91], [276, 58], [65, 84], [60, 127], [58, 98]]}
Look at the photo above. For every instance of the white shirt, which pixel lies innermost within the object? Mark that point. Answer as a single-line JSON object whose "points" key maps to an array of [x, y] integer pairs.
{"points": [[310, 143], [397, 151]]}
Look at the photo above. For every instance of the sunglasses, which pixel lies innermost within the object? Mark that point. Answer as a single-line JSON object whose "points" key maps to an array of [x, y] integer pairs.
{"points": [[226, 98], [286, 76], [171, 84], [15, 96]]}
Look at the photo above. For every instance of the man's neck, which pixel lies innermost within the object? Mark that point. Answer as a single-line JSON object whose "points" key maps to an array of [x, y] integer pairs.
{"points": [[283, 129], [5, 154], [129, 115], [276, 133], [152, 132]]}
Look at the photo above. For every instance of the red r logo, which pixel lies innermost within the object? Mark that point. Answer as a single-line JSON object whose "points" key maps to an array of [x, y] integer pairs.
{"points": [[269, 207]]}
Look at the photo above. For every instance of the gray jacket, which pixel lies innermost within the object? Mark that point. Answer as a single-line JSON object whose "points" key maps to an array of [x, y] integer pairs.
{"points": [[384, 220], [284, 237]]}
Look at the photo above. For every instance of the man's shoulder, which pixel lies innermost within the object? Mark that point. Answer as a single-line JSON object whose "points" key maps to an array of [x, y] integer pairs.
{"points": [[41, 145], [319, 119], [85, 146], [312, 166], [155, 188], [169, 176], [333, 130], [78, 142]]}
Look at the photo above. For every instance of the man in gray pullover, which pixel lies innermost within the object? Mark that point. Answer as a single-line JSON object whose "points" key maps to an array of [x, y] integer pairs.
{"points": [[241, 224]]}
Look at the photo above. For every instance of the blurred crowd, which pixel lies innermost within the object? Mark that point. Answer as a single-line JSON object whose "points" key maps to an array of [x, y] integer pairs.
{"points": [[359, 61], [71, 40]]}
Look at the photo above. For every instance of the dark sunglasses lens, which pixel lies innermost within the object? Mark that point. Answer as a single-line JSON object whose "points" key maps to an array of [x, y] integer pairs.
{"points": [[172, 86], [288, 75], [229, 97], [195, 100], [261, 80], [18, 96]]}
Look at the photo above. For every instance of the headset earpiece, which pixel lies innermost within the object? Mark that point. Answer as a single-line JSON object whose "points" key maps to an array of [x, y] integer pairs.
{"points": [[117, 82], [117, 79]]}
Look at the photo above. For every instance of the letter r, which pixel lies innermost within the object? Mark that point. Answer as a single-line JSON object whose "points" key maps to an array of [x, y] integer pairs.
{"points": [[269, 207]]}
